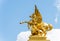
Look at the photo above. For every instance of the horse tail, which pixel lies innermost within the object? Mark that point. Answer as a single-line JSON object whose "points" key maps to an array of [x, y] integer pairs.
{"points": [[50, 27]]}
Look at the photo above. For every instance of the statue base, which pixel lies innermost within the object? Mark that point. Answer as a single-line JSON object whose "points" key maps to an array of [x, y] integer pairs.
{"points": [[37, 38]]}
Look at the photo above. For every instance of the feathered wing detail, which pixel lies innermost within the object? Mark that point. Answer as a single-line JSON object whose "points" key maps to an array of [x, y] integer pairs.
{"points": [[38, 15]]}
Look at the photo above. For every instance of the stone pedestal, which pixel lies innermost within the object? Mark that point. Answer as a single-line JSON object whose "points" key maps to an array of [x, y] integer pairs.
{"points": [[37, 38]]}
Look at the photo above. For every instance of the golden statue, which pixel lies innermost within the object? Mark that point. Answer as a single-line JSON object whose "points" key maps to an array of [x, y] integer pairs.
{"points": [[38, 27]]}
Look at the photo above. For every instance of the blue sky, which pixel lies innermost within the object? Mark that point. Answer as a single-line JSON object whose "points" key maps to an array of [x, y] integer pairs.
{"points": [[14, 11]]}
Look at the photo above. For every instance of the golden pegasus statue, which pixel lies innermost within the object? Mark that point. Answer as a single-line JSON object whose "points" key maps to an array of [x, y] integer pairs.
{"points": [[36, 25]]}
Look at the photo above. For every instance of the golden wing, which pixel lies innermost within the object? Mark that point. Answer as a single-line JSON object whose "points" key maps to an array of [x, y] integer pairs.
{"points": [[38, 15]]}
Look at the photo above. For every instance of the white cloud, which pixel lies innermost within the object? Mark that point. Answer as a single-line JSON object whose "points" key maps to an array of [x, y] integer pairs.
{"points": [[23, 36], [57, 4], [56, 20], [53, 35]]}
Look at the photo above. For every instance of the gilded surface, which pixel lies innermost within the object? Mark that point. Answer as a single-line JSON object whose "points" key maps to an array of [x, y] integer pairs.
{"points": [[36, 25]]}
